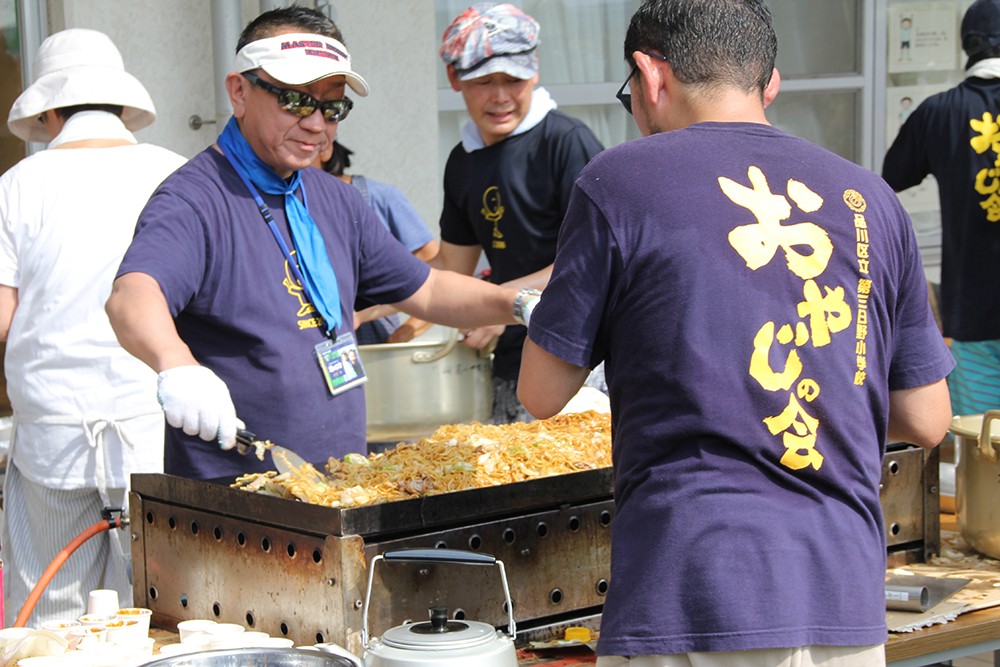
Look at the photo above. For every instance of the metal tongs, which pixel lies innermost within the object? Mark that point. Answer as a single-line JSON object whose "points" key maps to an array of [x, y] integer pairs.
{"points": [[284, 459]]}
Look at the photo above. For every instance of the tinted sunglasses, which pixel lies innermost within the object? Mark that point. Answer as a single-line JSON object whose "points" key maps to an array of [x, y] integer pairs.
{"points": [[626, 98], [303, 104]]}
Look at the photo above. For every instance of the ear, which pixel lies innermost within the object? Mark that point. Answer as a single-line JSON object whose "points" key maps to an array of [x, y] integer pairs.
{"points": [[456, 85], [771, 89], [236, 86], [53, 123], [655, 74]]}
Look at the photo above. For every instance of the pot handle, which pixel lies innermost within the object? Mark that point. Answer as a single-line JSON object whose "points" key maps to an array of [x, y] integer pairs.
{"points": [[336, 649], [986, 448], [428, 357], [446, 556]]}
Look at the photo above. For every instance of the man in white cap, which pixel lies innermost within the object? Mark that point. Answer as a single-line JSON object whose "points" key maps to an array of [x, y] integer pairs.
{"points": [[239, 287], [85, 411], [507, 184]]}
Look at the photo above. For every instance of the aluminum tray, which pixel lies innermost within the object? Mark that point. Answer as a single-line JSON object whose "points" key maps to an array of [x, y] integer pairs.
{"points": [[395, 518]]}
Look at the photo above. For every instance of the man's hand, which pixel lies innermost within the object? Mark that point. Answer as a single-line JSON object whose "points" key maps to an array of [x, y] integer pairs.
{"points": [[481, 337], [372, 313], [197, 401], [409, 330]]}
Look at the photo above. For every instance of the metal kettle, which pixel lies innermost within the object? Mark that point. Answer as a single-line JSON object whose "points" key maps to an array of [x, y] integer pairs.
{"points": [[439, 641]]}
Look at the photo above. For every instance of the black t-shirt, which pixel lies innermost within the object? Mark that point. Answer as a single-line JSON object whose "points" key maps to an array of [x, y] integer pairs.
{"points": [[955, 136], [510, 198]]}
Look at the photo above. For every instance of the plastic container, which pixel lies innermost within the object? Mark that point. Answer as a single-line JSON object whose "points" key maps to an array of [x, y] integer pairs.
{"points": [[102, 602], [194, 627], [140, 614], [87, 636], [125, 631], [60, 628], [178, 649]]}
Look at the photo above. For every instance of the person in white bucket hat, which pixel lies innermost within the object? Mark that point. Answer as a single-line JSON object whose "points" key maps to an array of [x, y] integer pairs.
{"points": [[85, 411], [239, 288], [75, 67]]}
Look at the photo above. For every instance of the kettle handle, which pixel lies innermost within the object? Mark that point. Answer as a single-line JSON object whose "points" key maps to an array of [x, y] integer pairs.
{"points": [[456, 556], [986, 448], [445, 556]]}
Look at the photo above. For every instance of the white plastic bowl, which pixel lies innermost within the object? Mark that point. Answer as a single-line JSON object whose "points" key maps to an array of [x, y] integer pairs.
{"points": [[193, 628]]}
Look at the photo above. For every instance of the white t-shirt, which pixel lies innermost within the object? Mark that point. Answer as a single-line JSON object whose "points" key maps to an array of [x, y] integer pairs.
{"points": [[66, 218]]}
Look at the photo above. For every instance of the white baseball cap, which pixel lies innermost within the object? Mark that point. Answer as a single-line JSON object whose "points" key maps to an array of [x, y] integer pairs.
{"points": [[299, 59], [73, 67]]}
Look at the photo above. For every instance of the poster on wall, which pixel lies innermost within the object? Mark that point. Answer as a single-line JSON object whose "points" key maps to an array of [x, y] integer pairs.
{"points": [[923, 36], [900, 102]]}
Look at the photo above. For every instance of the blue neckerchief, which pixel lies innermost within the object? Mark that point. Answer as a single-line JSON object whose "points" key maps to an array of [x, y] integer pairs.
{"points": [[317, 276]]}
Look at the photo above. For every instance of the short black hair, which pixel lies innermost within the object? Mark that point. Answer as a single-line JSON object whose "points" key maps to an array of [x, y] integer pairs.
{"points": [[708, 42], [302, 19], [339, 160], [66, 112]]}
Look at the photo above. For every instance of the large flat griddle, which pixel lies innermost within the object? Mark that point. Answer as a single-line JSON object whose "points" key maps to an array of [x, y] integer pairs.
{"points": [[400, 517]]}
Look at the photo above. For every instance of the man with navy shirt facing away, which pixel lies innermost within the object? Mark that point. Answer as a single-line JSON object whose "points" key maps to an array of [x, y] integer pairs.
{"points": [[762, 313]]}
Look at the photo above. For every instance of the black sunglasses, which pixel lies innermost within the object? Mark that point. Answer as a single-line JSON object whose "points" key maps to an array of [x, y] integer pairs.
{"points": [[303, 104], [626, 98]]}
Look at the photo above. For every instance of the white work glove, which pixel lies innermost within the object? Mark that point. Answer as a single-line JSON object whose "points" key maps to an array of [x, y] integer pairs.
{"points": [[197, 401]]}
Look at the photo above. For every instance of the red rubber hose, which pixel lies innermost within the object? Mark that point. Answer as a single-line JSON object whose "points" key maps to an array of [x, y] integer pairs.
{"points": [[57, 563]]}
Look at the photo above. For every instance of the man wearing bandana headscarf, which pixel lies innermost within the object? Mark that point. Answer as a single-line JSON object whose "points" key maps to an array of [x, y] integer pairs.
{"points": [[507, 184], [240, 284]]}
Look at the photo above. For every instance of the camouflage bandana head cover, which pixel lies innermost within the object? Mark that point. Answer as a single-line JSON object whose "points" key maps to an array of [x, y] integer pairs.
{"points": [[489, 38]]}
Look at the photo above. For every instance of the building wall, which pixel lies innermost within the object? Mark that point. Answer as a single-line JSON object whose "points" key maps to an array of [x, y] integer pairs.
{"points": [[394, 131], [168, 46]]}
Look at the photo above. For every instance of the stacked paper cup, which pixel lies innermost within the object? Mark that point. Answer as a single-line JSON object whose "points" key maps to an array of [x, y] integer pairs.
{"points": [[102, 602]]}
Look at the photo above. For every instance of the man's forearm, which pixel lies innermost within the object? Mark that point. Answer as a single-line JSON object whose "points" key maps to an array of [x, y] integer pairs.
{"points": [[142, 322], [459, 301], [921, 415], [537, 280], [546, 383]]}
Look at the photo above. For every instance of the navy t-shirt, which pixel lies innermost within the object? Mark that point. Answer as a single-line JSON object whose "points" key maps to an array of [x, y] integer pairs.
{"points": [[510, 198], [753, 303], [238, 308], [953, 135]]}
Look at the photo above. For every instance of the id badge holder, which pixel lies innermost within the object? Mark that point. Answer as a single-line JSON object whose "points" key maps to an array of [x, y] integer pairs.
{"points": [[341, 363]]}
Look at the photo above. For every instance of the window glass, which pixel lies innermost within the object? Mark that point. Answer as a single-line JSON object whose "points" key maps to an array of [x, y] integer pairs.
{"points": [[816, 37], [829, 119], [11, 148]]}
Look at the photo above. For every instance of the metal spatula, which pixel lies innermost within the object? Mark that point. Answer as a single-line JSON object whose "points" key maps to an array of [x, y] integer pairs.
{"points": [[284, 459]]}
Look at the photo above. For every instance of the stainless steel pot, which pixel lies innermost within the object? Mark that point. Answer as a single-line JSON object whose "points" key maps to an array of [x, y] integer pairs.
{"points": [[439, 642], [977, 480], [255, 657], [413, 388]]}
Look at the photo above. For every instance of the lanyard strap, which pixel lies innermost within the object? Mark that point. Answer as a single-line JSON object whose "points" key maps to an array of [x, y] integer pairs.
{"points": [[269, 219]]}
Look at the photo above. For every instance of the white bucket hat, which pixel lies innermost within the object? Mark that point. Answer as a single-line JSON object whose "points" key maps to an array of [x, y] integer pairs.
{"points": [[79, 66]]}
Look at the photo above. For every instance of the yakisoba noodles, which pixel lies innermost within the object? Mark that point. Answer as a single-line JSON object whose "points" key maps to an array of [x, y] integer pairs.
{"points": [[454, 458]]}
